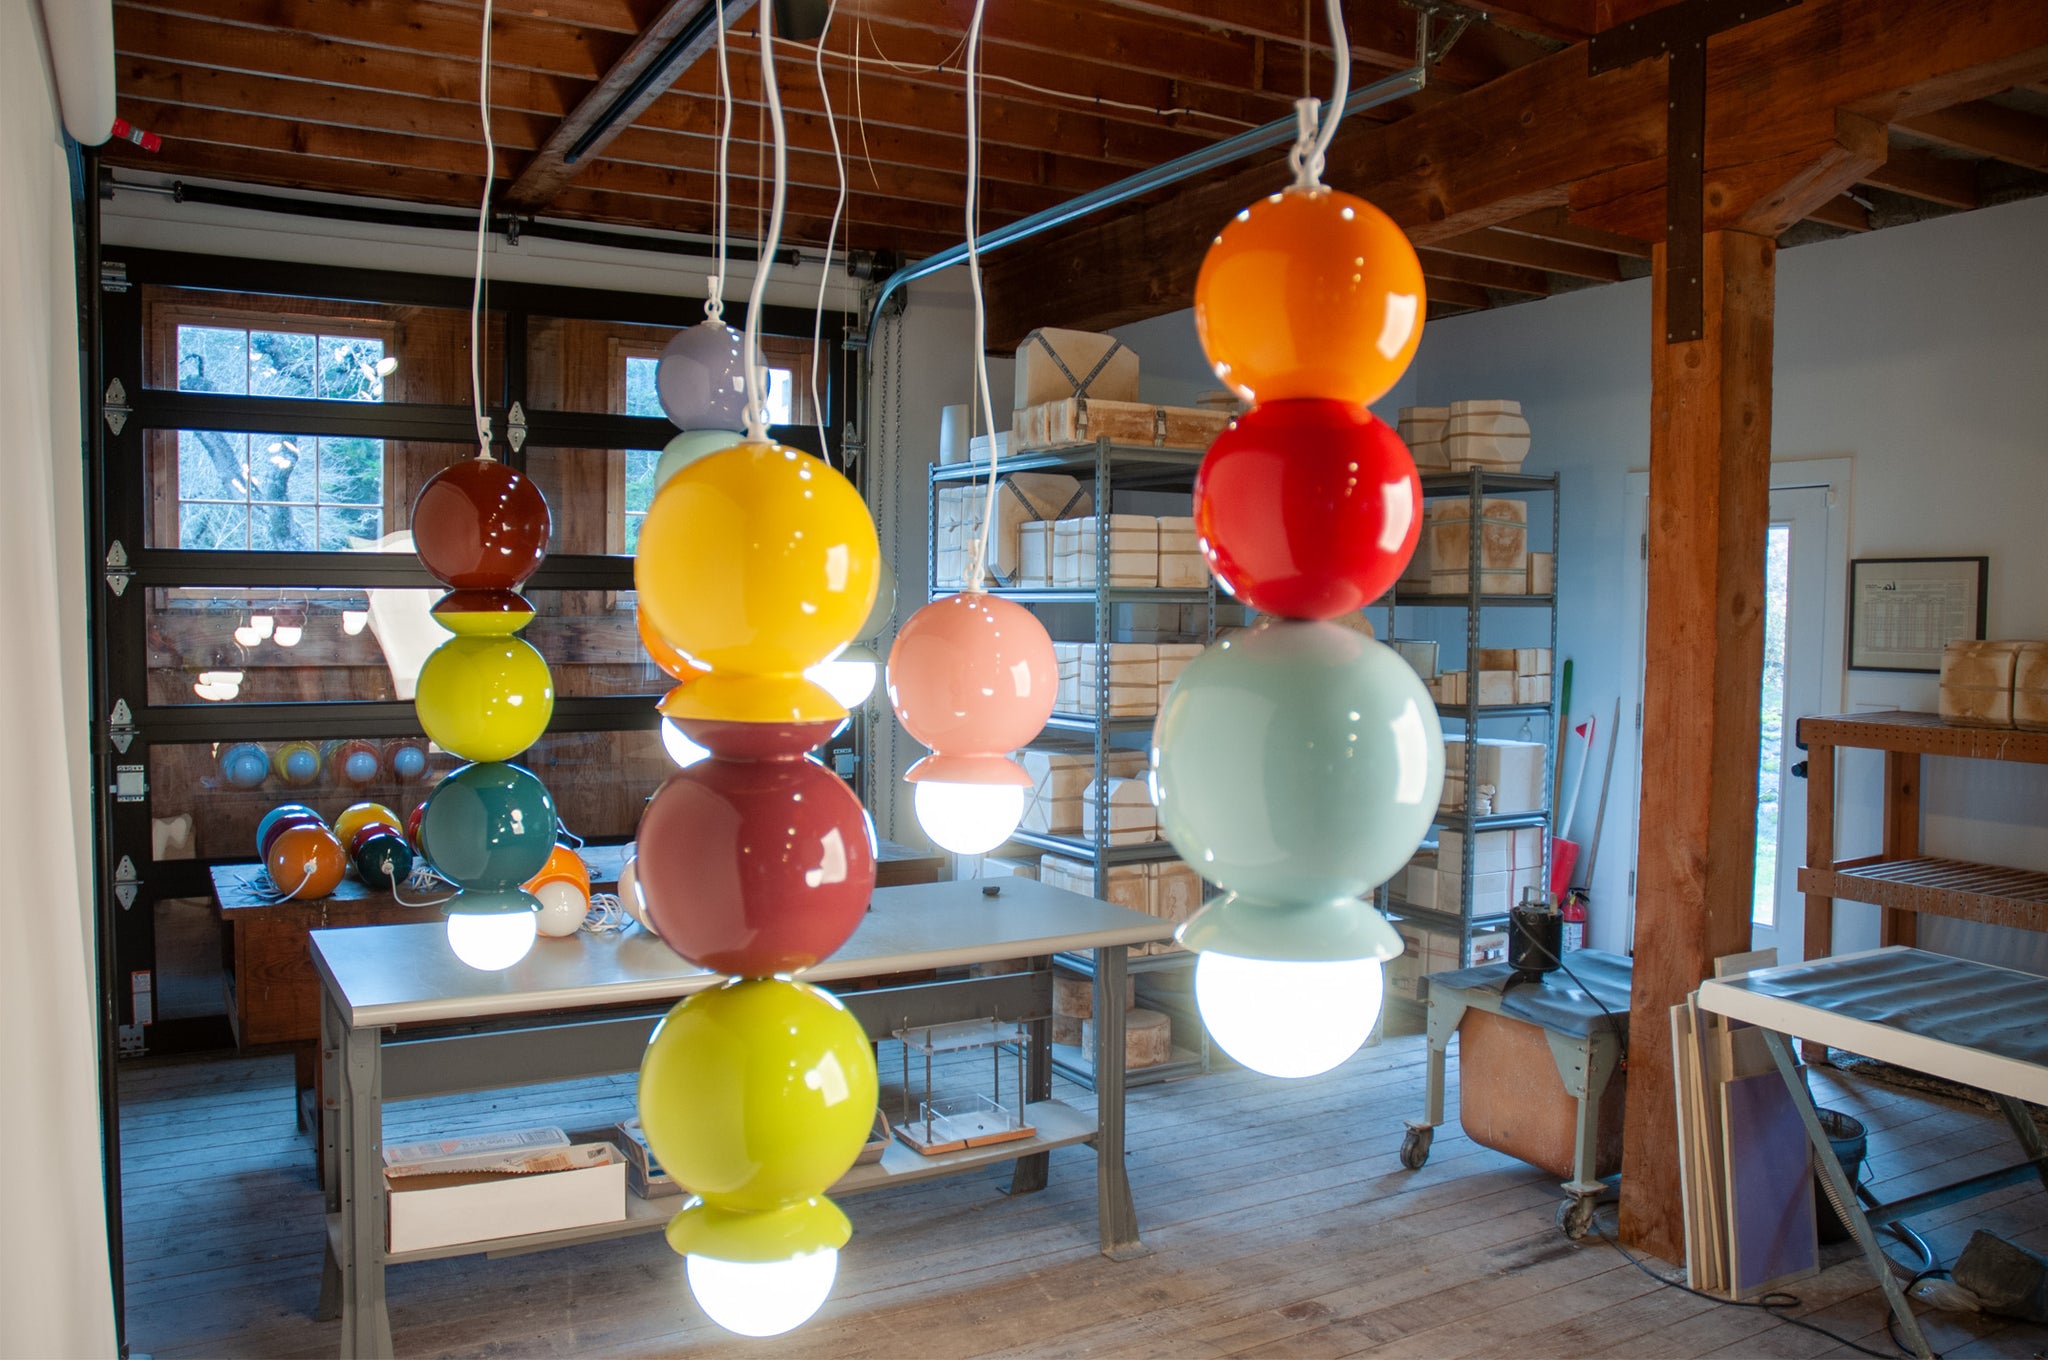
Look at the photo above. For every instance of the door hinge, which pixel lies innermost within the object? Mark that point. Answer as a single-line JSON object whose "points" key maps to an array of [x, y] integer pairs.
{"points": [[121, 726], [113, 276], [515, 428], [127, 883], [118, 573], [116, 408]]}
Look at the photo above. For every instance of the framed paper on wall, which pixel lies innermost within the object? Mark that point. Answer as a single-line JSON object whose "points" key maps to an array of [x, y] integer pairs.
{"points": [[1904, 610]]}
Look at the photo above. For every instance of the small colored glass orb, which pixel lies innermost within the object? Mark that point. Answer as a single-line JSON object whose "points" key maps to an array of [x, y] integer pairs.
{"points": [[1297, 763], [381, 856], [757, 561], [754, 867], [563, 907], [483, 613], [485, 698], [245, 765], [758, 1095], [564, 866], [701, 379], [1310, 293], [272, 817], [356, 816], [480, 525], [412, 829], [1308, 509], [305, 861], [405, 759], [352, 762], [973, 677], [297, 763], [489, 825], [687, 447]]}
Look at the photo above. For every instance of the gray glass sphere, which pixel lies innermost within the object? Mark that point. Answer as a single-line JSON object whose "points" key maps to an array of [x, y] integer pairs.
{"points": [[701, 380], [1297, 763]]}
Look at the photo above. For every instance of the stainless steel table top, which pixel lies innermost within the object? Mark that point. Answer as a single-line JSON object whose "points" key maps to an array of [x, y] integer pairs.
{"points": [[406, 974]]}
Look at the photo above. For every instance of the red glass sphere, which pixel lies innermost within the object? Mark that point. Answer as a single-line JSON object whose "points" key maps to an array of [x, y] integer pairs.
{"points": [[756, 741], [412, 827], [1308, 509], [480, 526], [754, 867], [973, 677]]}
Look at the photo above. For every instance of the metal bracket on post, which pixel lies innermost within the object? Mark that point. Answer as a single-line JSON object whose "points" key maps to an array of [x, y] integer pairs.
{"points": [[116, 408], [118, 573], [515, 427], [121, 726], [127, 883]]}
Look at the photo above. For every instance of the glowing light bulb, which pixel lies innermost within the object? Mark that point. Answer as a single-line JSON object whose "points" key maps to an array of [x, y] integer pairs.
{"points": [[491, 942], [1288, 1019], [680, 748], [247, 635], [762, 1298], [387, 366], [563, 906], [848, 677], [262, 625], [968, 819], [288, 634], [353, 621]]}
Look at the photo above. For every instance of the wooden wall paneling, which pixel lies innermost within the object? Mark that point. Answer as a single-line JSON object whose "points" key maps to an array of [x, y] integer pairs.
{"points": [[1708, 518]]}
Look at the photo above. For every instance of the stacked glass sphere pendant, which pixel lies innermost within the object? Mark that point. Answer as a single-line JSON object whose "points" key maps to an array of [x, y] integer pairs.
{"points": [[1298, 765], [485, 695]]}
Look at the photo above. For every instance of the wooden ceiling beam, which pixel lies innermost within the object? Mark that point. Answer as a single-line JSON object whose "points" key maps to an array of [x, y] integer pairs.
{"points": [[1843, 212], [1556, 257], [1471, 297], [1442, 265], [1928, 177], [240, 165], [1982, 129], [669, 45], [1555, 224], [1569, 20]]}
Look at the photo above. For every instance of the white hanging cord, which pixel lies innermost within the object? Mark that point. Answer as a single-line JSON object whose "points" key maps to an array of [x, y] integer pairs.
{"points": [[977, 562], [424, 882], [750, 348], [277, 894], [483, 231], [1311, 143], [831, 238], [714, 287], [607, 915]]}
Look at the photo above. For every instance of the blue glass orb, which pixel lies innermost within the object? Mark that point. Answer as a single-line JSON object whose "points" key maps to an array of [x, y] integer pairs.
{"points": [[245, 765], [1297, 763], [701, 380], [490, 825]]}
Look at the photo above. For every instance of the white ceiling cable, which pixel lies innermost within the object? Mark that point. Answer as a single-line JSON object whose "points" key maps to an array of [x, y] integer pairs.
{"points": [[750, 348], [977, 564], [831, 238], [714, 287], [483, 231], [1312, 143]]}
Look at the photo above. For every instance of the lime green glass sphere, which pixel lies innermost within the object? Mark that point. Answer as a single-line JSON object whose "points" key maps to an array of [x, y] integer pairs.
{"points": [[484, 697]]}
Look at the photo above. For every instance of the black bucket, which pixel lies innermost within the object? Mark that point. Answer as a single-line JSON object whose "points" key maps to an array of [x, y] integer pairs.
{"points": [[1846, 1135]]}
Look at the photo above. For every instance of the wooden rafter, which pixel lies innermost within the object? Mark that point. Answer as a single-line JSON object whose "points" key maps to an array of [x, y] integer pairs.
{"points": [[1440, 265], [1983, 129], [1926, 176], [1557, 257], [676, 37], [1843, 212]]}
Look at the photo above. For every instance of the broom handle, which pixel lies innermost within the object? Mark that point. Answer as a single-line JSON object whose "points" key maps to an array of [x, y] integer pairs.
{"points": [[1564, 719]]}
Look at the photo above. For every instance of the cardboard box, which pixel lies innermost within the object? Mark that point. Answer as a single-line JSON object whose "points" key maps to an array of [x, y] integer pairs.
{"points": [[1133, 552], [1422, 429], [1495, 851], [1131, 819], [1175, 657], [1021, 498], [1420, 653], [1532, 689], [1420, 890], [980, 446], [1543, 573], [1055, 364], [1532, 661], [1492, 659], [1491, 435], [1977, 683], [2030, 687], [1007, 866], [1078, 420], [1181, 565], [1034, 553], [533, 1149], [645, 1176], [446, 1209], [1513, 768], [1497, 687], [1492, 894], [1503, 546]]}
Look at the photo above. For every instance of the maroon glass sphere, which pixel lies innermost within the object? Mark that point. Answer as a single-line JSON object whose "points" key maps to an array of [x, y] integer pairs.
{"points": [[480, 526], [754, 867]]}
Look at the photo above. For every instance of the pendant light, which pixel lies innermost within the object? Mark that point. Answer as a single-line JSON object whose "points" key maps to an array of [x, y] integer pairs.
{"points": [[756, 565], [1297, 765], [973, 676]]}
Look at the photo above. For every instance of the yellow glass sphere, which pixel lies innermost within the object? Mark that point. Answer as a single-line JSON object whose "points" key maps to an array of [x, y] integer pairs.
{"points": [[1310, 293], [356, 816], [757, 561], [758, 1095], [485, 698]]}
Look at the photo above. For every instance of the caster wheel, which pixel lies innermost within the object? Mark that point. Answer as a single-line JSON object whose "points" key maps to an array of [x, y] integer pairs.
{"points": [[1415, 1148], [1575, 1218]]}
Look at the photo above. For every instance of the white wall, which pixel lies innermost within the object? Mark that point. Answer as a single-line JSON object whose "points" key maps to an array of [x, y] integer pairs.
{"points": [[55, 1294], [1916, 352]]}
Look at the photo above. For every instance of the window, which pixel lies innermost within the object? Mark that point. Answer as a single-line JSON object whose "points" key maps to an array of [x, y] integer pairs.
{"points": [[279, 492]]}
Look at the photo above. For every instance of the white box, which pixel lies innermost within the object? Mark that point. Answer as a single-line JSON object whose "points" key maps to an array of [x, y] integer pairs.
{"points": [[1491, 893], [1532, 689], [1513, 768], [479, 1206], [1133, 552], [1420, 890], [1419, 653], [1497, 852], [1132, 818], [1542, 573], [1034, 553], [1532, 661], [978, 446], [1005, 866], [1422, 429], [1497, 687], [1492, 435], [1053, 364]]}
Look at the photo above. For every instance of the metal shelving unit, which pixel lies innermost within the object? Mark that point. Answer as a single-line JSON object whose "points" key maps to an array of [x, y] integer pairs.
{"points": [[1476, 486], [1111, 467]]}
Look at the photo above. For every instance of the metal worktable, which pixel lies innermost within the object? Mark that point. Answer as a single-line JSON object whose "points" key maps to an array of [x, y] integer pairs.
{"points": [[1970, 1022], [403, 1018], [1586, 1028]]}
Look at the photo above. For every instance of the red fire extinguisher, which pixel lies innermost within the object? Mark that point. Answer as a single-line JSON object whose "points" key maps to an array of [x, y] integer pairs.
{"points": [[127, 131]]}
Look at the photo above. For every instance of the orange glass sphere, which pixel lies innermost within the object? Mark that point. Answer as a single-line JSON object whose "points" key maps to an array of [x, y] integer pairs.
{"points": [[672, 662], [1310, 293], [973, 677], [306, 862]]}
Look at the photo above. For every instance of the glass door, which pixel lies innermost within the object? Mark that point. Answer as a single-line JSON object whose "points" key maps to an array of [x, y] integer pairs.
{"points": [[1795, 577]]}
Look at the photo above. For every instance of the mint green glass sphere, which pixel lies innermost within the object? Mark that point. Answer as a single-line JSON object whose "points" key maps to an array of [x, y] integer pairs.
{"points": [[1297, 763]]}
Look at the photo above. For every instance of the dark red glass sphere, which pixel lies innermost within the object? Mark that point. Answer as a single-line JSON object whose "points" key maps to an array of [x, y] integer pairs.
{"points": [[480, 526], [754, 867], [1308, 509]]}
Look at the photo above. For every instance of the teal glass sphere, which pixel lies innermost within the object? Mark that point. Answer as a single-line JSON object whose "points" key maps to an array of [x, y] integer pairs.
{"points": [[490, 825], [1297, 763]]}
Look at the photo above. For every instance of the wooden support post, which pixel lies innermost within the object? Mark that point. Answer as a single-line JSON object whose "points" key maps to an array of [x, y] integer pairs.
{"points": [[1901, 837], [1710, 449]]}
